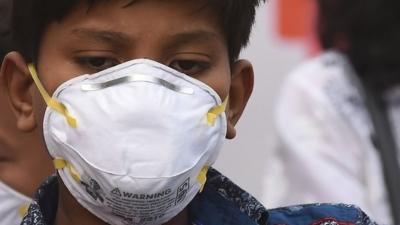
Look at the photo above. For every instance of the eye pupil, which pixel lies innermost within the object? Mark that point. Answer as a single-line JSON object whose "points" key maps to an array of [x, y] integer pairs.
{"points": [[97, 62], [187, 65]]}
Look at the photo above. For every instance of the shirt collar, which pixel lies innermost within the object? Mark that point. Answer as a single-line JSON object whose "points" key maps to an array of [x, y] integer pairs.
{"points": [[222, 202]]}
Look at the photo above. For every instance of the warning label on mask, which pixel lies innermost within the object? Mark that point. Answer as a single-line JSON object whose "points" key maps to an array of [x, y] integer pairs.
{"points": [[137, 208]]}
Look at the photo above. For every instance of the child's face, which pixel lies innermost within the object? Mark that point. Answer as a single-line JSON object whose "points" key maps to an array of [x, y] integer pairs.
{"points": [[179, 34], [182, 34]]}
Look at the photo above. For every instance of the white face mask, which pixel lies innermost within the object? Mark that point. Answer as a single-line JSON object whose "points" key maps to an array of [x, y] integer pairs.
{"points": [[13, 205], [133, 143]]}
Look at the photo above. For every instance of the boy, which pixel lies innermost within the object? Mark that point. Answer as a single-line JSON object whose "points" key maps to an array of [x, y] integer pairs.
{"points": [[20, 152], [133, 141]]}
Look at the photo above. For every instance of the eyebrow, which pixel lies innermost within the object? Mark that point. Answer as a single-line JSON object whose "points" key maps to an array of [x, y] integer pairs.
{"points": [[121, 39], [190, 37], [107, 37]]}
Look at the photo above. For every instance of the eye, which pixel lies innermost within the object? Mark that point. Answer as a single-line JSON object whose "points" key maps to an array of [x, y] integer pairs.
{"points": [[97, 63], [189, 67]]}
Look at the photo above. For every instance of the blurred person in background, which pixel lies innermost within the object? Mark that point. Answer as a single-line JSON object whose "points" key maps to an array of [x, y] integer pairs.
{"points": [[338, 114], [23, 165]]}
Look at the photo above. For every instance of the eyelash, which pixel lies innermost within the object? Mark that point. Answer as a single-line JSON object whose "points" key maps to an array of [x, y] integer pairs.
{"points": [[200, 66], [85, 61], [106, 62]]}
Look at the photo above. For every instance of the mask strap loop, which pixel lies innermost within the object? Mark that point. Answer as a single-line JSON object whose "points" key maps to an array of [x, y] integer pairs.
{"points": [[60, 163], [214, 112], [202, 177], [51, 102]]}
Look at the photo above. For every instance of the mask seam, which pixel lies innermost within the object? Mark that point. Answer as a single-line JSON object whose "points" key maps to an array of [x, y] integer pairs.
{"points": [[108, 172]]}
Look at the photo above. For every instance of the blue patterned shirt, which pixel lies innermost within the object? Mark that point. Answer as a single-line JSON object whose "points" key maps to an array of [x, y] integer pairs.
{"points": [[221, 203]]}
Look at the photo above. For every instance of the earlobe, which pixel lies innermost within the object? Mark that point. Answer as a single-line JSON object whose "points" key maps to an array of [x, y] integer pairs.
{"points": [[242, 83], [17, 83]]}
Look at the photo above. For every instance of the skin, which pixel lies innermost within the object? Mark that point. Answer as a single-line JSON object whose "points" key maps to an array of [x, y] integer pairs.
{"points": [[20, 152], [175, 32]]}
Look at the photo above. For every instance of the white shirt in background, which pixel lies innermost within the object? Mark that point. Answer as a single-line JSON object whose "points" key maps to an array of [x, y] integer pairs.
{"points": [[326, 150]]}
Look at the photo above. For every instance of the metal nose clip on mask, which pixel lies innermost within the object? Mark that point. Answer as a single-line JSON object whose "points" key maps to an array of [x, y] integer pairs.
{"points": [[133, 143]]}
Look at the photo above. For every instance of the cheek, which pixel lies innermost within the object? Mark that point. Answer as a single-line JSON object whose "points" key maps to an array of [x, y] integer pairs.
{"points": [[220, 81], [52, 73]]}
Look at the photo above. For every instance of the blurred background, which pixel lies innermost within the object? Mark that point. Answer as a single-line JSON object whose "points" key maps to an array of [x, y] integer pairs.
{"points": [[282, 38]]}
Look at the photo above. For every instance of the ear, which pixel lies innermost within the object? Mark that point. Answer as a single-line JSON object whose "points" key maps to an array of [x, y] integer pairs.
{"points": [[242, 83], [17, 83]]}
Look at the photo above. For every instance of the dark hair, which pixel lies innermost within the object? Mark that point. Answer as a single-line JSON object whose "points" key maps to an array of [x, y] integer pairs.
{"points": [[30, 18], [5, 30], [368, 32]]}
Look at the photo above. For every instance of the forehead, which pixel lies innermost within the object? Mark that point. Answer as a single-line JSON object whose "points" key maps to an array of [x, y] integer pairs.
{"points": [[141, 18], [161, 30]]}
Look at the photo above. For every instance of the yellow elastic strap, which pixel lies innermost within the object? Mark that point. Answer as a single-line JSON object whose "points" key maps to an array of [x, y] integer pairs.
{"points": [[51, 102], [60, 163], [202, 177], [23, 210], [214, 112]]}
